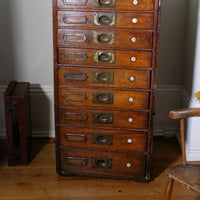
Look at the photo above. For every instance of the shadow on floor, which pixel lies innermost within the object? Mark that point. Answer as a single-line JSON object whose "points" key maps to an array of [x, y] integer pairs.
{"points": [[162, 155]]}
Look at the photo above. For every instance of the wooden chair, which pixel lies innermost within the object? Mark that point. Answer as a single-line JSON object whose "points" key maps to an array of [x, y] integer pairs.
{"points": [[186, 174]]}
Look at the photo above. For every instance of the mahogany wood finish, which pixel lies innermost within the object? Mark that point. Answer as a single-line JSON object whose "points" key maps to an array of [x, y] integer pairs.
{"points": [[144, 5], [186, 174], [105, 66], [106, 38], [112, 58]]}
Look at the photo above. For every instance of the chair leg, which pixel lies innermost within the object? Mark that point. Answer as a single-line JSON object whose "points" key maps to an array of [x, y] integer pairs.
{"points": [[168, 189]]}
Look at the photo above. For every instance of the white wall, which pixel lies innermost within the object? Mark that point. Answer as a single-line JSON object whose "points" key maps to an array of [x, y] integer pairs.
{"points": [[192, 78], [26, 55]]}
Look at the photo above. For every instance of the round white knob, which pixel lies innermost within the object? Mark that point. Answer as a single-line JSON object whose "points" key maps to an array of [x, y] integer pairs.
{"points": [[129, 141], [135, 2], [132, 78], [130, 119], [134, 20], [128, 165], [133, 59], [133, 39], [130, 99]]}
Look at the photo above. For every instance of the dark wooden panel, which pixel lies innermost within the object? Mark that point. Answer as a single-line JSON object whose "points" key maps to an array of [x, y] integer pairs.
{"points": [[137, 5], [105, 39], [110, 58], [108, 118], [74, 76], [103, 139], [107, 98], [118, 164], [18, 129], [133, 20]]}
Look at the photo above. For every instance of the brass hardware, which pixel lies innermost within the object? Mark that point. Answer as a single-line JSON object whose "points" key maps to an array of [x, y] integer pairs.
{"points": [[75, 96], [76, 116], [104, 19], [102, 139], [101, 162], [76, 161], [104, 38], [71, 137], [75, 2], [102, 97], [104, 3], [69, 19], [102, 117], [75, 76], [79, 38], [104, 57], [73, 56], [103, 77]]}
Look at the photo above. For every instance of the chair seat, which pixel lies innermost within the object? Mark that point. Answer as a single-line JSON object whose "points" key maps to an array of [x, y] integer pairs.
{"points": [[188, 175]]}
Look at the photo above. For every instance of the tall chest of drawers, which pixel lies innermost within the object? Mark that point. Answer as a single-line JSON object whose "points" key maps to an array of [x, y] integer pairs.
{"points": [[105, 66]]}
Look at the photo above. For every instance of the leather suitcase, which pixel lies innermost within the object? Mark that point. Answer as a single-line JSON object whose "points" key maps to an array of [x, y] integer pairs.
{"points": [[17, 118]]}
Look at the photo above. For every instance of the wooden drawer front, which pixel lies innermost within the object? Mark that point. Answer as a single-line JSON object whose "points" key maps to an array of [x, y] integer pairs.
{"points": [[116, 78], [105, 39], [143, 5], [105, 19], [103, 139], [112, 58], [103, 118], [102, 163], [106, 98]]}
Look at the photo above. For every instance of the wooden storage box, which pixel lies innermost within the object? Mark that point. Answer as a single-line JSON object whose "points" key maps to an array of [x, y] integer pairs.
{"points": [[17, 117]]}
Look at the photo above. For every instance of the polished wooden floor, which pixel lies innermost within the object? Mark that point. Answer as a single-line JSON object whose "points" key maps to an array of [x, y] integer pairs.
{"points": [[39, 181]]}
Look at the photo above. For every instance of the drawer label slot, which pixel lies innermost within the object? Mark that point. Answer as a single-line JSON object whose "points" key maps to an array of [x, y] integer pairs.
{"points": [[74, 56], [71, 137], [81, 19], [76, 161], [75, 2], [75, 97], [75, 76], [78, 38]]}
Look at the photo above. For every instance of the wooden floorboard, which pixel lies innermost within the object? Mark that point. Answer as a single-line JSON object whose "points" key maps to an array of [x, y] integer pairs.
{"points": [[39, 181]]}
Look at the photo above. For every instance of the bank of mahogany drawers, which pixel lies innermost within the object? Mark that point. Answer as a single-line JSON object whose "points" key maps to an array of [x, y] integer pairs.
{"points": [[105, 64]]}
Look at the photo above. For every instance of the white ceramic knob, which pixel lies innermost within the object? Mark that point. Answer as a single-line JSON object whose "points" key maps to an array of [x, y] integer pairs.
{"points": [[132, 78], [130, 119], [131, 99], [134, 20], [135, 2], [129, 141], [128, 165], [133, 59], [133, 39]]}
